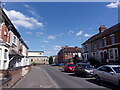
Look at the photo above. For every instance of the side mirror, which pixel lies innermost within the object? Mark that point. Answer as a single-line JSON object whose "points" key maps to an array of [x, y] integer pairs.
{"points": [[112, 73]]}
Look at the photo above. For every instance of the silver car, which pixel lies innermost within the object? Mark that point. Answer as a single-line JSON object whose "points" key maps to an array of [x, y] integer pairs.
{"points": [[109, 73]]}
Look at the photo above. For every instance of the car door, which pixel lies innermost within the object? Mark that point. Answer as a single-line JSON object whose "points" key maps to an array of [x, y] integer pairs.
{"points": [[110, 77], [100, 72]]}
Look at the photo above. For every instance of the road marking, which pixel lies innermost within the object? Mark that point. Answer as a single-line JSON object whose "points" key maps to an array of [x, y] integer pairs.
{"points": [[56, 86]]}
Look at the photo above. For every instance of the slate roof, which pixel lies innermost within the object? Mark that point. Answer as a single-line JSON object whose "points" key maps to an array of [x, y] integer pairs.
{"points": [[105, 33]]}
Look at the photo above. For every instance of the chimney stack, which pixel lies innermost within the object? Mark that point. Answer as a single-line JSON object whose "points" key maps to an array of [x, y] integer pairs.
{"points": [[102, 28]]}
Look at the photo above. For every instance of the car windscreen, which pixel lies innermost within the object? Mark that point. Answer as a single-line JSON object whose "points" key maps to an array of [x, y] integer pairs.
{"points": [[88, 66], [70, 65], [117, 69]]}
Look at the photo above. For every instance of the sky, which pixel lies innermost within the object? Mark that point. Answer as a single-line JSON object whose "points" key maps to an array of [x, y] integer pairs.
{"points": [[47, 26]]}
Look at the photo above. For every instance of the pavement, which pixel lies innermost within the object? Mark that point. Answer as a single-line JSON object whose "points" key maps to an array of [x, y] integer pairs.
{"points": [[37, 78]]}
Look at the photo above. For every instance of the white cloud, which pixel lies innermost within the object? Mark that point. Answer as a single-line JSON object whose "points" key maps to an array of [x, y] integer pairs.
{"points": [[28, 32], [70, 32], [60, 34], [79, 33], [39, 33], [113, 5], [45, 41], [51, 37], [21, 20], [88, 35], [57, 48]]}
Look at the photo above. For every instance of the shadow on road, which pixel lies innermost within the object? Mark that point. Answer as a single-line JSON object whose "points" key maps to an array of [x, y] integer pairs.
{"points": [[104, 84]]}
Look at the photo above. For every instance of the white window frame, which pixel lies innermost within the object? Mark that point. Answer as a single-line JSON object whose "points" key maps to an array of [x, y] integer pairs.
{"points": [[5, 54], [15, 41], [104, 42], [111, 39], [113, 49]]}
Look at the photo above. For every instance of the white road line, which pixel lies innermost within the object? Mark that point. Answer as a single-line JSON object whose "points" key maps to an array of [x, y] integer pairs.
{"points": [[56, 86]]}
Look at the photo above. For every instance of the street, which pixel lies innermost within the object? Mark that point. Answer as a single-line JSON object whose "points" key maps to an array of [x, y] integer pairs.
{"points": [[69, 80], [59, 78]]}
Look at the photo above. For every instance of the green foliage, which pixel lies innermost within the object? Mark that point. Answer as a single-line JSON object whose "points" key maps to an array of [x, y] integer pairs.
{"points": [[94, 62], [76, 59], [50, 60]]}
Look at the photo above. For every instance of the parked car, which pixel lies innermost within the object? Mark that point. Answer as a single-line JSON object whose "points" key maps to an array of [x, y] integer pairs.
{"points": [[84, 69], [60, 64], [69, 67], [109, 73]]}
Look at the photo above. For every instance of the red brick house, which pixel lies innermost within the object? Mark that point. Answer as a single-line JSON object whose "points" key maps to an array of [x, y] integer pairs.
{"points": [[67, 53], [104, 46]]}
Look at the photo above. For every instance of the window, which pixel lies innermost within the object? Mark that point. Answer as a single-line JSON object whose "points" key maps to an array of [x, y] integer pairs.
{"points": [[101, 43], [112, 39], [66, 54], [15, 40], [95, 45], [5, 54], [104, 42], [116, 53], [111, 54], [86, 47], [31, 60]]}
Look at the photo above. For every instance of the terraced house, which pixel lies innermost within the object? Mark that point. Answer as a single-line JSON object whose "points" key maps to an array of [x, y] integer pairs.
{"points": [[104, 46], [13, 49], [66, 54]]}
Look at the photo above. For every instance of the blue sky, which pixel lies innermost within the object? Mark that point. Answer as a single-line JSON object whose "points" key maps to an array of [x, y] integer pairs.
{"points": [[48, 26]]}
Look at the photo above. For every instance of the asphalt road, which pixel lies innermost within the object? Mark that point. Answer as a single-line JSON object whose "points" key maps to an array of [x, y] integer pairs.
{"points": [[69, 80]]}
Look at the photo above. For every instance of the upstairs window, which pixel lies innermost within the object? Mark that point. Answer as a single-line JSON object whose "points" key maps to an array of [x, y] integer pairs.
{"points": [[86, 47], [112, 39], [95, 45], [5, 54], [66, 54], [104, 42], [101, 43], [15, 40]]}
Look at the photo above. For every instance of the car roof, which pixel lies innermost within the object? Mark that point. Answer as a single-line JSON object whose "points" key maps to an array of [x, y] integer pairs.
{"points": [[112, 65], [69, 63], [83, 63]]}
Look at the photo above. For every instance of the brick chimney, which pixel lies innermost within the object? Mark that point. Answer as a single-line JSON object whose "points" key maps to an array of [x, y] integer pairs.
{"points": [[76, 47], [102, 28]]}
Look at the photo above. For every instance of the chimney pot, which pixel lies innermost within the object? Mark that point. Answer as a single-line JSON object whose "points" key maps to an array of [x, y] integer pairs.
{"points": [[102, 28]]}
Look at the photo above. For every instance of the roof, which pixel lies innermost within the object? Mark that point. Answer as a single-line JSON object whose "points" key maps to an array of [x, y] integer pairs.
{"points": [[105, 33], [37, 56], [71, 49], [22, 41], [35, 51]]}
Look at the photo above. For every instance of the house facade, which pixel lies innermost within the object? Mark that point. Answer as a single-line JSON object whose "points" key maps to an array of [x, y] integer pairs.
{"points": [[104, 46], [37, 57], [12, 47], [66, 54]]}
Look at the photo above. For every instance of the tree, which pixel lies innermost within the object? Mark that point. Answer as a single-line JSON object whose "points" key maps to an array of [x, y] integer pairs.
{"points": [[76, 59], [50, 60], [94, 62]]}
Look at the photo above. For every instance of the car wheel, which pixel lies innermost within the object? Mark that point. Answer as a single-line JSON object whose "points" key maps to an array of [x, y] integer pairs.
{"points": [[97, 78], [75, 73], [68, 70], [84, 75], [119, 83]]}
